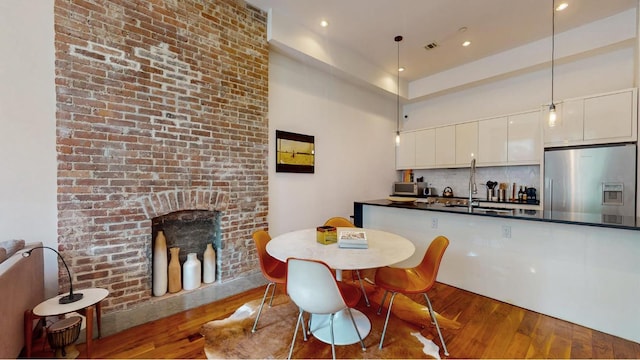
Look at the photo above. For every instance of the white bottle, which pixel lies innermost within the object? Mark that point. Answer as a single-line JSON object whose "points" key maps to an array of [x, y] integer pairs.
{"points": [[191, 272]]}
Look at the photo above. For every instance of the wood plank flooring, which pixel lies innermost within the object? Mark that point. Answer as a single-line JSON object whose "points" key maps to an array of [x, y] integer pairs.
{"points": [[490, 329]]}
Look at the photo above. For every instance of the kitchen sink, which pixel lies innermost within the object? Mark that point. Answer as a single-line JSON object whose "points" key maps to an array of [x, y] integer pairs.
{"points": [[488, 210], [447, 201], [462, 205]]}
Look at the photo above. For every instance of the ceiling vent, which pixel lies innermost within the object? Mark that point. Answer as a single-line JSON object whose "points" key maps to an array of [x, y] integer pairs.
{"points": [[431, 46]]}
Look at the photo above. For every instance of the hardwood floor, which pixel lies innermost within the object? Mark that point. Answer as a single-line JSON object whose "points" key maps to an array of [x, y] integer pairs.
{"points": [[490, 329]]}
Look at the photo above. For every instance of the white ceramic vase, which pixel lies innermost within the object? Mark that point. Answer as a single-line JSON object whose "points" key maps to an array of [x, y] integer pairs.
{"points": [[159, 283], [191, 272], [209, 265]]}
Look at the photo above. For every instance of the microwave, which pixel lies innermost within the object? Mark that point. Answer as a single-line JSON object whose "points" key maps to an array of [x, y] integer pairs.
{"points": [[418, 189]]}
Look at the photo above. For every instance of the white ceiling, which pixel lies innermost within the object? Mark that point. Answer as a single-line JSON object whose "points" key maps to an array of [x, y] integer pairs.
{"points": [[368, 27]]}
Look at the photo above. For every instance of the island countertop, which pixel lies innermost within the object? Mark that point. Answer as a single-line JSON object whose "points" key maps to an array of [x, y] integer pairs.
{"points": [[619, 222]]}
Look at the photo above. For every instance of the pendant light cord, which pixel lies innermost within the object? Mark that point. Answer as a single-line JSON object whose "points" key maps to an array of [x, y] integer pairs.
{"points": [[553, 46], [398, 39]]}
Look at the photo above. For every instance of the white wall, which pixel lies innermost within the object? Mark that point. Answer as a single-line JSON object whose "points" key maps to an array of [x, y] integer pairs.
{"points": [[28, 127], [354, 131], [604, 72]]}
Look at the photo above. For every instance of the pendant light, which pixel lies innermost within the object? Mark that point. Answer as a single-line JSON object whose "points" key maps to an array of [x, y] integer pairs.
{"points": [[552, 107], [397, 40]]}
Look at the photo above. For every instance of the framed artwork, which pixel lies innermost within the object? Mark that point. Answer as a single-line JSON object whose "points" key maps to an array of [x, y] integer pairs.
{"points": [[294, 152]]}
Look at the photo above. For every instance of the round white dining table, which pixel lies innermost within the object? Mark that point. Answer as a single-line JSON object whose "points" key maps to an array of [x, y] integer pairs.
{"points": [[384, 249]]}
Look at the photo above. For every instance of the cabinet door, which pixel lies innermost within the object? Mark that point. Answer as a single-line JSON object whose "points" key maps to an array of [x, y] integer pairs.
{"points": [[609, 117], [425, 148], [406, 151], [446, 146], [492, 141], [466, 142], [524, 138], [568, 128]]}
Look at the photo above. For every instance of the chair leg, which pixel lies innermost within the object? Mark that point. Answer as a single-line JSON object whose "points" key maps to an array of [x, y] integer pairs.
{"points": [[333, 345], [273, 292], [295, 332], [386, 322], [304, 329], [366, 298], [264, 297], [356, 327], [433, 317], [384, 297], [309, 325]]}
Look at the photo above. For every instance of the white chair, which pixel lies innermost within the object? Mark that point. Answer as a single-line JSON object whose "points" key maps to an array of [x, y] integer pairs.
{"points": [[312, 286]]}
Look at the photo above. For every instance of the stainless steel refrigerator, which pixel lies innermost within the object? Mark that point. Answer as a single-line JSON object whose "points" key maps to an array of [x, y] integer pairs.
{"points": [[591, 180]]}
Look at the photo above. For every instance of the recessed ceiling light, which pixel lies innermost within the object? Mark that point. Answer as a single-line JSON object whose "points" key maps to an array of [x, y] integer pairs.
{"points": [[401, 69], [466, 43], [324, 23], [562, 6]]}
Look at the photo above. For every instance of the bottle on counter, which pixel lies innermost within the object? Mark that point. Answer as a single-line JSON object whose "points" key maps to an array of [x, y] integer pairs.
{"points": [[520, 194], [524, 195]]}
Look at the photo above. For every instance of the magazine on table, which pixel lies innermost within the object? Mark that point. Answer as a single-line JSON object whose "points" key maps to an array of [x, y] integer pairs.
{"points": [[353, 239]]}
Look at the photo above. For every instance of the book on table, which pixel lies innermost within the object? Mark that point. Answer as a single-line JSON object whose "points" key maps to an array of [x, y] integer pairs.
{"points": [[353, 239]]}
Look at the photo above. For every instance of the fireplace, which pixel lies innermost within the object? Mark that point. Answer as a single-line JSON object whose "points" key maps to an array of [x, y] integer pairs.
{"points": [[161, 109], [190, 231]]}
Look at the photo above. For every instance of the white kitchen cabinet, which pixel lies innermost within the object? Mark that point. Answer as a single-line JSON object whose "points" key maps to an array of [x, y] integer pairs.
{"points": [[425, 153], [406, 151], [568, 127], [445, 146], [524, 138], [492, 141], [466, 142], [609, 117], [597, 119]]}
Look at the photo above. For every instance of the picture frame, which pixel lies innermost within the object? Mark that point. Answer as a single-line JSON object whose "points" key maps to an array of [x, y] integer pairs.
{"points": [[295, 153]]}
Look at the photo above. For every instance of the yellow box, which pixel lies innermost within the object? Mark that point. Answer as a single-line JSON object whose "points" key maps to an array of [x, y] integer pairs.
{"points": [[326, 235]]}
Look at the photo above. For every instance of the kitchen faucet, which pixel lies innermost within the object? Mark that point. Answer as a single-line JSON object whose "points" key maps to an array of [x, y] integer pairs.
{"points": [[472, 185]]}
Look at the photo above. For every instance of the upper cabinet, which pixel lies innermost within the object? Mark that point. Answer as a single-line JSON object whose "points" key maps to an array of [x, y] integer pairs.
{"points": [[610, 117], [425, 148], [523, 140], [466, 142], [510, 140], [518, 139], [406, 151], [568, 127], [492, 141], [604, 118], [445, 146]]}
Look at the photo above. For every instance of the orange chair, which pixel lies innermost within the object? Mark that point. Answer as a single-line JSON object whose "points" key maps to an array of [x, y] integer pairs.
{"points": [[417, 280], [342, 222], [273, 269]]}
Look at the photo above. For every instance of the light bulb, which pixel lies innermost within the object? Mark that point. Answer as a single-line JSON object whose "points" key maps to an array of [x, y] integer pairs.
{"points": [[552, 115], [397, 139]]}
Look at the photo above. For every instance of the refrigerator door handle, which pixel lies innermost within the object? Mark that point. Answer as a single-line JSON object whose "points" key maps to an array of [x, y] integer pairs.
{"points": [[550, 195]]}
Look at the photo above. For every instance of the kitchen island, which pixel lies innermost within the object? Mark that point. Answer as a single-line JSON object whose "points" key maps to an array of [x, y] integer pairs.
{"points": [[578, 268], [486, 208]]}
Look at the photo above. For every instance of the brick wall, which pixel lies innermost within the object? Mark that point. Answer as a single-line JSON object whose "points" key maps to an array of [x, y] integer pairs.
{"points": [[161, 107]]}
